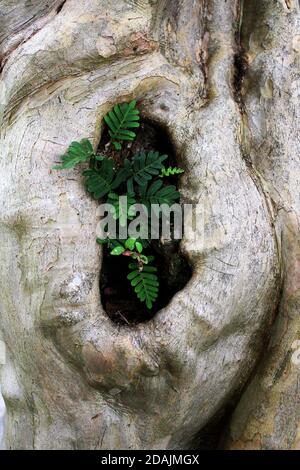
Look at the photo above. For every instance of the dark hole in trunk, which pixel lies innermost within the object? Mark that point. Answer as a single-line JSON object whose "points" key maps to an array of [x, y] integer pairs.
{"points": [[118, 297]]}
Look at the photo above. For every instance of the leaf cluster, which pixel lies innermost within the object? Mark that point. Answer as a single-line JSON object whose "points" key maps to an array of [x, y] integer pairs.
{"points": [[139, 178], [120, 120]]}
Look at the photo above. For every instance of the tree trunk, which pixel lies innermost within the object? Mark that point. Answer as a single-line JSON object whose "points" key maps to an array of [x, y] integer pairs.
{"points": [[220, 79]]}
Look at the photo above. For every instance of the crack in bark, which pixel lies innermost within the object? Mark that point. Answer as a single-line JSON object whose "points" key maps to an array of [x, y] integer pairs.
{"points": [[288, 4], [60, 7], [240, 61], [203, 55], [241, 67], [178, 24]]}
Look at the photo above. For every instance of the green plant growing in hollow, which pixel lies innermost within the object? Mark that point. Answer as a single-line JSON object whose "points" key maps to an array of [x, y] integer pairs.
{"points": [[142, 179], [120, 119]]}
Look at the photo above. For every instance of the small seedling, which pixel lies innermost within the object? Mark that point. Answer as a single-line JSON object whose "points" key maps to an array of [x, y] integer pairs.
{"points": [[143, 179]]}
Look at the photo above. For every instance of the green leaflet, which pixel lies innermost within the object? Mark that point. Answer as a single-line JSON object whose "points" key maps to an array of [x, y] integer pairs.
{"points": [[109, 242], [78, 152], [102, 241], [145, 283], [120, 119], [146, 166], [139, 247], [122, 211], [101, 180], [130, 244], [171, 171], [118, 250], [157, 193]]}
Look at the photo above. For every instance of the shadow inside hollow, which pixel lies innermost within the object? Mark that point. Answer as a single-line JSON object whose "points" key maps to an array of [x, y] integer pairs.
{"points": [[117, 296]]}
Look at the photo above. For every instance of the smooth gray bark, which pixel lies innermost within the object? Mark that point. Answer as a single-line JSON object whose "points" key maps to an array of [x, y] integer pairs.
{"points": [[73, 379]]}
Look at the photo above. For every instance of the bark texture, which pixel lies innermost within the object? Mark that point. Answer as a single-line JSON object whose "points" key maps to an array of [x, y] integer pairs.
{"points": [[221, 81], [268, 415]]}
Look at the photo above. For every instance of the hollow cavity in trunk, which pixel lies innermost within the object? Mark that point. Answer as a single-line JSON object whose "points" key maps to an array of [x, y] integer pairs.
{"points": [[117, 296]]}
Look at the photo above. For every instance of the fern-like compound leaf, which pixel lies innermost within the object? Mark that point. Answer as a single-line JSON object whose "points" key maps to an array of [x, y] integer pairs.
{"points": [[157, 193], [121, 209], [171, 171], [120, 119], [99, 180], [102, 179], [145, 283], [145, 166], [78, 152]]}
